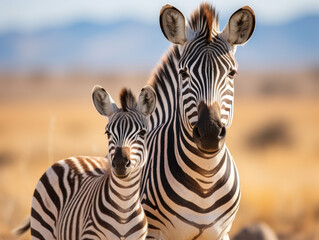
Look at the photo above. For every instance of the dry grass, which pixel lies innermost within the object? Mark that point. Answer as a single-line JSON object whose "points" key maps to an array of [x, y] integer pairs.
{"points": [[33, 137], [279, 178]]}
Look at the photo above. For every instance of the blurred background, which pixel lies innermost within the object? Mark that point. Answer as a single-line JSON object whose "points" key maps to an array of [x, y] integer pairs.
{"points": [[52, 53]]}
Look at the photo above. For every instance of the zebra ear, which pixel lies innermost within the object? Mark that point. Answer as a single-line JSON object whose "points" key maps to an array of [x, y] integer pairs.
{"points": [[173, 24], [147, 100], [103, 102], [240, 26]]}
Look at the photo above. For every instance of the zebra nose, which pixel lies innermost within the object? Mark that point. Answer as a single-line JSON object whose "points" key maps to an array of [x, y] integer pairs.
{"points": [[222, 133], [121, 161], [197, 134], [208, 133]]}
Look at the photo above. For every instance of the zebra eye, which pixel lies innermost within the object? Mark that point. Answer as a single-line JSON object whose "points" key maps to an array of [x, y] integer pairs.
{"points": [[232, 74], [108, 133], [184, 74], [142, 133]]}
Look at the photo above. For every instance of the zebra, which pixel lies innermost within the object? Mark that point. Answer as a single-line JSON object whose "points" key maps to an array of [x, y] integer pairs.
{"points": [[190, 184], [96, 197]]}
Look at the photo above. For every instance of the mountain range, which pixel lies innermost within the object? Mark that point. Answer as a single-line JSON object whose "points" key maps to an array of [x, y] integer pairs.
{"points": [[134, 45]]}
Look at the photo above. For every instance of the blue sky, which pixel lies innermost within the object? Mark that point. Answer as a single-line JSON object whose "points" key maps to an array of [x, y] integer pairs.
{"points": [[35, 14]]}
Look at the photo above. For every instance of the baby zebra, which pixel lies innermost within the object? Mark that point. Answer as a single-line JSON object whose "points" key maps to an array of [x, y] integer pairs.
{"points": [[95, 197]]}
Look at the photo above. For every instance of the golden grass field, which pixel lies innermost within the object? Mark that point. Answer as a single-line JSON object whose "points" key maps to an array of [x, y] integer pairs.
{"points": [[274, 140]]}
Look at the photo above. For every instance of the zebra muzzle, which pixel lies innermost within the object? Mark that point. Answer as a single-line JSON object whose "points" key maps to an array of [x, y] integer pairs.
{"points": [[121, 163], [209, 133]]}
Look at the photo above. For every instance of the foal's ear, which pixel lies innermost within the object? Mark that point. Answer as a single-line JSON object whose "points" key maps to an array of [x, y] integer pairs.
{"points": [[147, 100], [240, 26], [103, 102], [173, 24]]}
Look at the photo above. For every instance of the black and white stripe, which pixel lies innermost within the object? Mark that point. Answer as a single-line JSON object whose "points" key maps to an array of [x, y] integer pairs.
{"points": [[189, 193], [95, 197]]}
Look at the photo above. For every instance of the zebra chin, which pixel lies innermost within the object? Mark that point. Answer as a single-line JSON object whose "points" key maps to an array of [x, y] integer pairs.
{"points": [[121, 173], [209, 147]]}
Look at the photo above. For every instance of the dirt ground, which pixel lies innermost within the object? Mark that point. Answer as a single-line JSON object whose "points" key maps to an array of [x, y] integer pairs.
{"points": [[274, 139]]}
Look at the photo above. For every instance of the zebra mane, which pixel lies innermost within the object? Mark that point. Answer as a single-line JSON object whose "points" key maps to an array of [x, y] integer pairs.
{"points": [[205, 20], [127, 99]]}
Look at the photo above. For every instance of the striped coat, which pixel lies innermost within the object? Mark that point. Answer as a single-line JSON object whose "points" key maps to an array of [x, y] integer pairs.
{"points": [[95, 197], [190, 187]]}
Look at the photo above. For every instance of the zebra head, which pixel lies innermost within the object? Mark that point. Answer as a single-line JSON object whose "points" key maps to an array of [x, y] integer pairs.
{"points": [[126, 128], [206, 69]]}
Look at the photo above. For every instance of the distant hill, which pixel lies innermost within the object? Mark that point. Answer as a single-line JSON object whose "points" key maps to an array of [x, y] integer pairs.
{"points": [[133, 45]]}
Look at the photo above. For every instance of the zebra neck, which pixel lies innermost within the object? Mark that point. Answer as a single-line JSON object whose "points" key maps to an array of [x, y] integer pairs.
{"points": [[202, 167], [125, 192]]}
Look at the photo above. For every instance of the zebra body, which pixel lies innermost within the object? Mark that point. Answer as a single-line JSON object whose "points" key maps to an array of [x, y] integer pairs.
{"points": [[190, 186], [95, 197], [68, 203]]}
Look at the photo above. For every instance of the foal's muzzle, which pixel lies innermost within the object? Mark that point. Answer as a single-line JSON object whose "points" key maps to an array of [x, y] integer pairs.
{"points": [[121, 163]]}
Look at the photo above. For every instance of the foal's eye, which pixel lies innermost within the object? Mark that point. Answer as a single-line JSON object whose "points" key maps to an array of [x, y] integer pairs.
{"points": [[142, 133], [232, 74], [184, 74], [108, 133]]}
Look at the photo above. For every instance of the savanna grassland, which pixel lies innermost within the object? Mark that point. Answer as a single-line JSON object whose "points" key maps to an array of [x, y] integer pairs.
{"points": [[274, 139]]}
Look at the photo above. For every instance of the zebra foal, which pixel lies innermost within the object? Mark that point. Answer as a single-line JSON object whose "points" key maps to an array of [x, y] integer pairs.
{"points": [[96, 197]]}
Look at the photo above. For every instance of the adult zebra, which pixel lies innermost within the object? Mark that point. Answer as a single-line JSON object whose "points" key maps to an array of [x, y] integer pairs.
{"points": [[190, 187], [96, 197]]}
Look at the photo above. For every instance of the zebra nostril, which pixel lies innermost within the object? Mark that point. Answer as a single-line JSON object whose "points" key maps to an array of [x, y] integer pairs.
{"points": [[222, 133], [113, 164], [128, 164], [196, 133]]}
